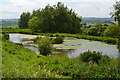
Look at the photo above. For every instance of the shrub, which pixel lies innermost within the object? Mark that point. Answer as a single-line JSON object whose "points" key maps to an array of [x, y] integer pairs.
{"points": [[6, 37], [44, 46], [37, 40], [57, 40], [91, 56]]}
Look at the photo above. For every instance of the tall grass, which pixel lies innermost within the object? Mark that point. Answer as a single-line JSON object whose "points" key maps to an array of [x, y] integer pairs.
{"points": [[22, 63], [18, 62]]}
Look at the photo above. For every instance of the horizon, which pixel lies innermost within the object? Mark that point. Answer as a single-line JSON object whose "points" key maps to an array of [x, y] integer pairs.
{"points": [[82, 17]]}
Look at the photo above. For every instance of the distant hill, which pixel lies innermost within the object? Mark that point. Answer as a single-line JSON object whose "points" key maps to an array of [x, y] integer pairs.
{"points": [[14, 22], [97, 20], [8, 22]]}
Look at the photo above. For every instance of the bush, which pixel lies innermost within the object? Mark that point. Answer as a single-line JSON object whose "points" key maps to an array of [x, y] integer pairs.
{"points": [[37, 40], [57, 40], [6, 37], [91, 56], [45, 46]]}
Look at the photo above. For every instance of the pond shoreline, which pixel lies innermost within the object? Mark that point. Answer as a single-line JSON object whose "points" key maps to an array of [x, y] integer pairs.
{"points": [[108, 40], [72, 47]]}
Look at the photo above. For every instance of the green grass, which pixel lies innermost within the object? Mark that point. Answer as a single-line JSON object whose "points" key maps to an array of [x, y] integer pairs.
{"points": [[25, 31], [95, 38], [18, 62], [11, 26]]}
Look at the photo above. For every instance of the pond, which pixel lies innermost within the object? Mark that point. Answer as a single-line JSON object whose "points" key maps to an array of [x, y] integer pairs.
{"points": [[71, 47]]}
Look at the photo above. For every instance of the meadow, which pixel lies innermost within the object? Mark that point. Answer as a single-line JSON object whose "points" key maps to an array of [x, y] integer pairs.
{"points": [[18, 62], [58, 21]]}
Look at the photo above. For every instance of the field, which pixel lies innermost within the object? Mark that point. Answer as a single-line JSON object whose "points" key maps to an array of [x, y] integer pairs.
{"points": [[10, 26], [18, 62]]}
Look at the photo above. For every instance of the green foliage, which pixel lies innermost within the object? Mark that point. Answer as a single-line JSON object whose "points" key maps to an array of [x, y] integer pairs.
{"points": [[112, 31], [10, 27], [116, 15], [57, 18], [94, 30], [44, 46], [118, 45], [76, 68], [91, 56], [37, 40], [5, 37], [57, 40], [18, 62], [33, 23], [25, 31], [23, 21], [95, 38], [116, 12]]}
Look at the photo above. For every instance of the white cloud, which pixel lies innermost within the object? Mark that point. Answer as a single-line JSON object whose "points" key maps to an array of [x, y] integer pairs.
{"points": [[94, 9], [98, 8]]}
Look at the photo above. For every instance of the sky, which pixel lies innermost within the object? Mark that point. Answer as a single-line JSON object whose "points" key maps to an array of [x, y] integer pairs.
{"points": [[85, 8]]}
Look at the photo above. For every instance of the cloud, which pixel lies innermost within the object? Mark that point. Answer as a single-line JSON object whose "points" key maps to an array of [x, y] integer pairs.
{"points": [[16, 7], [93, 9], [98, 8]]}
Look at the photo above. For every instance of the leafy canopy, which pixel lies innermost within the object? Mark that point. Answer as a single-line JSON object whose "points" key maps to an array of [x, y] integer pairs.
{"points": [[56, 18]]}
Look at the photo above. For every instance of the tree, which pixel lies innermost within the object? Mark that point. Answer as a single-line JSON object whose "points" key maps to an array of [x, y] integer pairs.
{"points": [[23, 21], [93, 31], [46, 19], [112, 31], [33, 23], [57, 18], [116, 15], [101, 30]]}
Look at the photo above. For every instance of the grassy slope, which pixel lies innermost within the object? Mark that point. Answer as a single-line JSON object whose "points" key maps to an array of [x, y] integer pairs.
{"points": [[18, 62]]}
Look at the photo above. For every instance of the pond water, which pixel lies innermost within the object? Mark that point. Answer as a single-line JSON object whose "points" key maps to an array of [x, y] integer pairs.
{"points": [[70, 47]]}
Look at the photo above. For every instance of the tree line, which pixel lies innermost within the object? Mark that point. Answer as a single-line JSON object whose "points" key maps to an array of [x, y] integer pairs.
{"points": [[56, 18]]}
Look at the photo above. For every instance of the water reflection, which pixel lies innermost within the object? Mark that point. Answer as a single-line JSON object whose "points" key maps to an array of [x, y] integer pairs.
{"points": [[70, 48], [15, 38], [32, 49], [85, 45]]}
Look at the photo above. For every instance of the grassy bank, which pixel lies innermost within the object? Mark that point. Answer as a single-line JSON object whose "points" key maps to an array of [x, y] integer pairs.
{"points": [[24, 31], [18, 62], [95, 38]]}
